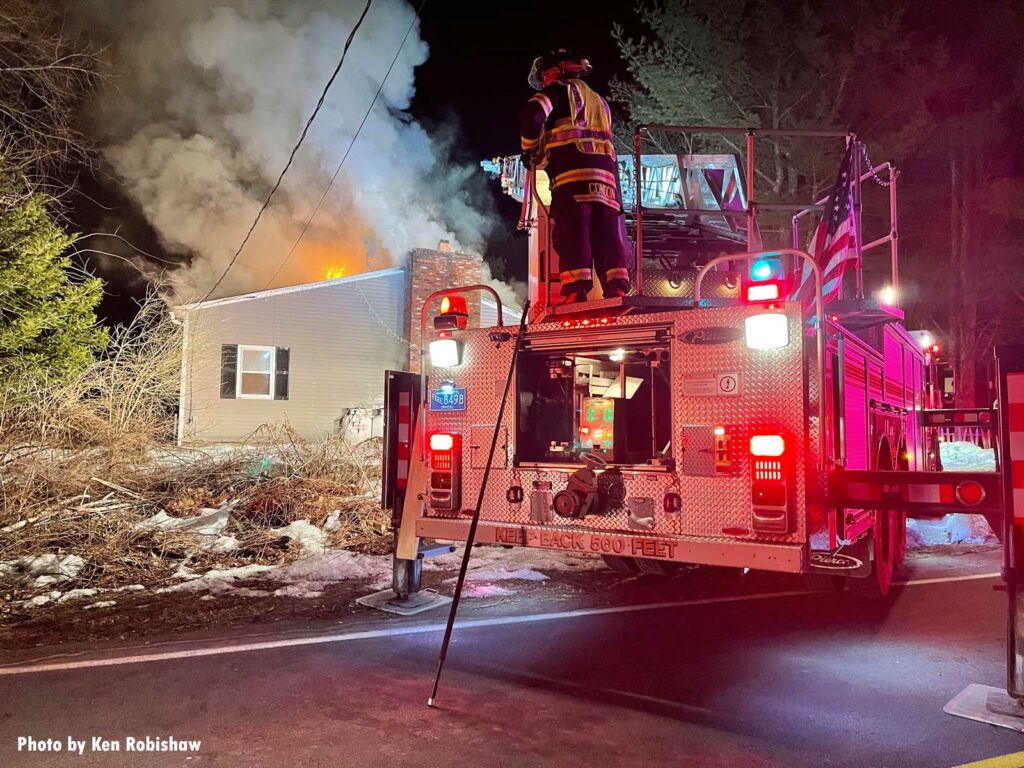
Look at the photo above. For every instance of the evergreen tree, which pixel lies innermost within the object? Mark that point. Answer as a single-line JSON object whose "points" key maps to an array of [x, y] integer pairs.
{"points": [[47, 319]]}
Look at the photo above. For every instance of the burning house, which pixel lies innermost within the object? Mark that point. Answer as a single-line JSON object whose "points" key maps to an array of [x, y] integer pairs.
{"points": [[312, 356]]}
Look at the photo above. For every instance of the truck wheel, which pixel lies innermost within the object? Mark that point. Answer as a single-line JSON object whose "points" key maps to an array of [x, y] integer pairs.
{"points": [[883, 552], [624, 565], [899, 545], [899, 534]]}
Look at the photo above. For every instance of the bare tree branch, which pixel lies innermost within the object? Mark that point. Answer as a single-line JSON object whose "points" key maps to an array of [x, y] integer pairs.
{"points": [[45, 72]]}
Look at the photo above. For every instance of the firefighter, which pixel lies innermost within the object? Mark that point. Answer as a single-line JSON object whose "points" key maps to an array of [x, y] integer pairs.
{"points": [[566, 129]]}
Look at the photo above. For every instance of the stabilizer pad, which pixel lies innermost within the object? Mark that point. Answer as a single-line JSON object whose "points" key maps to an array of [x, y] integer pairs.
{"points": [[987, 704], [417, 602]]}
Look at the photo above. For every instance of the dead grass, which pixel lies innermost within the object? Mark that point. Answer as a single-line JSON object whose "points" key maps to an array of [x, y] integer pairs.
{"points": [[84, 462]]}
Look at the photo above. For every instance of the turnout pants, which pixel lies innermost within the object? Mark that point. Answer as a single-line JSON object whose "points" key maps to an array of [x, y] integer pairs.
{"points": [[589, 236]]}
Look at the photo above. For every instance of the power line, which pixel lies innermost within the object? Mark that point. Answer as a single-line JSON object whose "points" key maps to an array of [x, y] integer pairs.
{"points": [[348, 149], [291, 157]]}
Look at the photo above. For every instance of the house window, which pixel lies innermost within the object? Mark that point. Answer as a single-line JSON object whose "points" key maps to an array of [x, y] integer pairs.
{"points": [[256, 372]]}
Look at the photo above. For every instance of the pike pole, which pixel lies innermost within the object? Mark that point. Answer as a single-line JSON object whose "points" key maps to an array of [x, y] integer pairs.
{"points": [[476, 512]]}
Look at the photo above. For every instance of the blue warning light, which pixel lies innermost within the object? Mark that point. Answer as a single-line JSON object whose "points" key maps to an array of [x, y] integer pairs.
{"points": [[765, 269]]}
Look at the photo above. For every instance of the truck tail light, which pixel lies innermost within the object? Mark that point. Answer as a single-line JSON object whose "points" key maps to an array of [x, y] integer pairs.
{"points": [[770, 483], [767, 445], [440, 442], [445, 471], [758, 292], [769, 330]]}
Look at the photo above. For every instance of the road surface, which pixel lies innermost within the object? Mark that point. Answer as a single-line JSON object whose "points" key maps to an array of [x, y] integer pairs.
{"points": [[700, 671]]}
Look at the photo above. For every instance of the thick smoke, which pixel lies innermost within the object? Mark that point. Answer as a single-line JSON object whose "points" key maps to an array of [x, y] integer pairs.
{"points": [[209, 101]]}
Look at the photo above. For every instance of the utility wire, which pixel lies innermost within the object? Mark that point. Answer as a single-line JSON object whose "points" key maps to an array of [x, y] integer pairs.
{"points": [[291, 157], [348, 149]]}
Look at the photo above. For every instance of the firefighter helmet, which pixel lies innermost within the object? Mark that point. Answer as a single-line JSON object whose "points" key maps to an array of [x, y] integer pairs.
{"points": [[569, 63]]}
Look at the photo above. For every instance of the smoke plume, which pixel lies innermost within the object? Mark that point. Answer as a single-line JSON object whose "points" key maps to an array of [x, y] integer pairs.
{"points": [[211, 97]]}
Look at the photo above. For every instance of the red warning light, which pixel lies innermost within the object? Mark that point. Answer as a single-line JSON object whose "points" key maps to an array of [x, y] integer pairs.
{"points": [[452, 304], [970, 493], [935, 349]]}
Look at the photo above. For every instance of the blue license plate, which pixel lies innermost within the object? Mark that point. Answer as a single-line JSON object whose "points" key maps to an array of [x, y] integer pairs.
{"points": [[448, 399]]}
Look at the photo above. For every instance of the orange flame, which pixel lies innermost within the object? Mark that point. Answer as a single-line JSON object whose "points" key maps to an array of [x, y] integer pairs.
{"points": [[335, 271]]}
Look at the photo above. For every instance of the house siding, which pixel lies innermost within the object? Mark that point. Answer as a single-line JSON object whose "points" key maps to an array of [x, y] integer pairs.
{"points": [[341, 337]]}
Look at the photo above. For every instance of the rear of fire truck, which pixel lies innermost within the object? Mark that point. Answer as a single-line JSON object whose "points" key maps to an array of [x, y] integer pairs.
{"points": [[684, 423]]}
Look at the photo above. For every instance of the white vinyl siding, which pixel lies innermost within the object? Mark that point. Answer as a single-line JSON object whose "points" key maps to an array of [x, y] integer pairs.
{"points": [[341, 337]]}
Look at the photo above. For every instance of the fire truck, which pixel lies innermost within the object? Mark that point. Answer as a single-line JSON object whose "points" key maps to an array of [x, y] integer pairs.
{"points": [[705, 418]]}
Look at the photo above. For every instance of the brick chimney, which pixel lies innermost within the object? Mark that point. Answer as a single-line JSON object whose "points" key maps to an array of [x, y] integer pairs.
{"points": [[433, 270]]}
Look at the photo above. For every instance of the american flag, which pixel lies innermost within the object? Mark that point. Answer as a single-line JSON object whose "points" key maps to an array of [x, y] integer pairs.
{"points": [[834, 240]]}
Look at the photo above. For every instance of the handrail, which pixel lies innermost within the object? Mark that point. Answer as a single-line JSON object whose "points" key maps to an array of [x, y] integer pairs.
{"points": [[732, 129], [423, 350], [892, 237], [543, 256], [819, 330], [752, 206]]}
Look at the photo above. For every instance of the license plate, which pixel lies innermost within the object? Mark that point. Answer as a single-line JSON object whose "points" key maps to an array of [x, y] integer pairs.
{"points": [[453, 399]]}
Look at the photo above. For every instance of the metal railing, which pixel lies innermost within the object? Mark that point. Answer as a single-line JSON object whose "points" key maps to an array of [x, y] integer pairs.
{"points": [[752, 205]]}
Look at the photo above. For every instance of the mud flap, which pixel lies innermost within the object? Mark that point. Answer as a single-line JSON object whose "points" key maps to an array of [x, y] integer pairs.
{"points": [[849, 560]]}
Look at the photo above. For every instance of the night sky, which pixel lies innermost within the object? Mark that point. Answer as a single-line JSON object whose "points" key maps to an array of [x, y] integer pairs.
{"points": [[475, 80], [479, 59]]}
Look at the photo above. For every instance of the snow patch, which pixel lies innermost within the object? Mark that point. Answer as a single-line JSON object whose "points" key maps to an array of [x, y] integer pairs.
{"points": [[501, 573], [955, 529], [217, 580], [967, 457], [101, 604], [312, 540], [208, 522], [303, 590], [39, 600], [42, 570], [487, 590], [74, 594]]}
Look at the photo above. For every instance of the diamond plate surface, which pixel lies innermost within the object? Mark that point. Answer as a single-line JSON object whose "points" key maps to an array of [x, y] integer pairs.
{"points": [[679, 283], [778, 395]]}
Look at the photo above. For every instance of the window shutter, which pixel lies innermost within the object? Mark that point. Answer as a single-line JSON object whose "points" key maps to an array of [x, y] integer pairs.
{"points": [[281, 360], [228, 371]]}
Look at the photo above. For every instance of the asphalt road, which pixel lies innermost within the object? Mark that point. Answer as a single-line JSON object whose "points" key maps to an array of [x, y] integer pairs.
{"points": [[743, 672]]}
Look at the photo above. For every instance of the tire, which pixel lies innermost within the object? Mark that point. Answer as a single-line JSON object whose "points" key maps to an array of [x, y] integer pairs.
{"points": [[899, 541], [899, 531], [878, 584], [884, 535]]}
